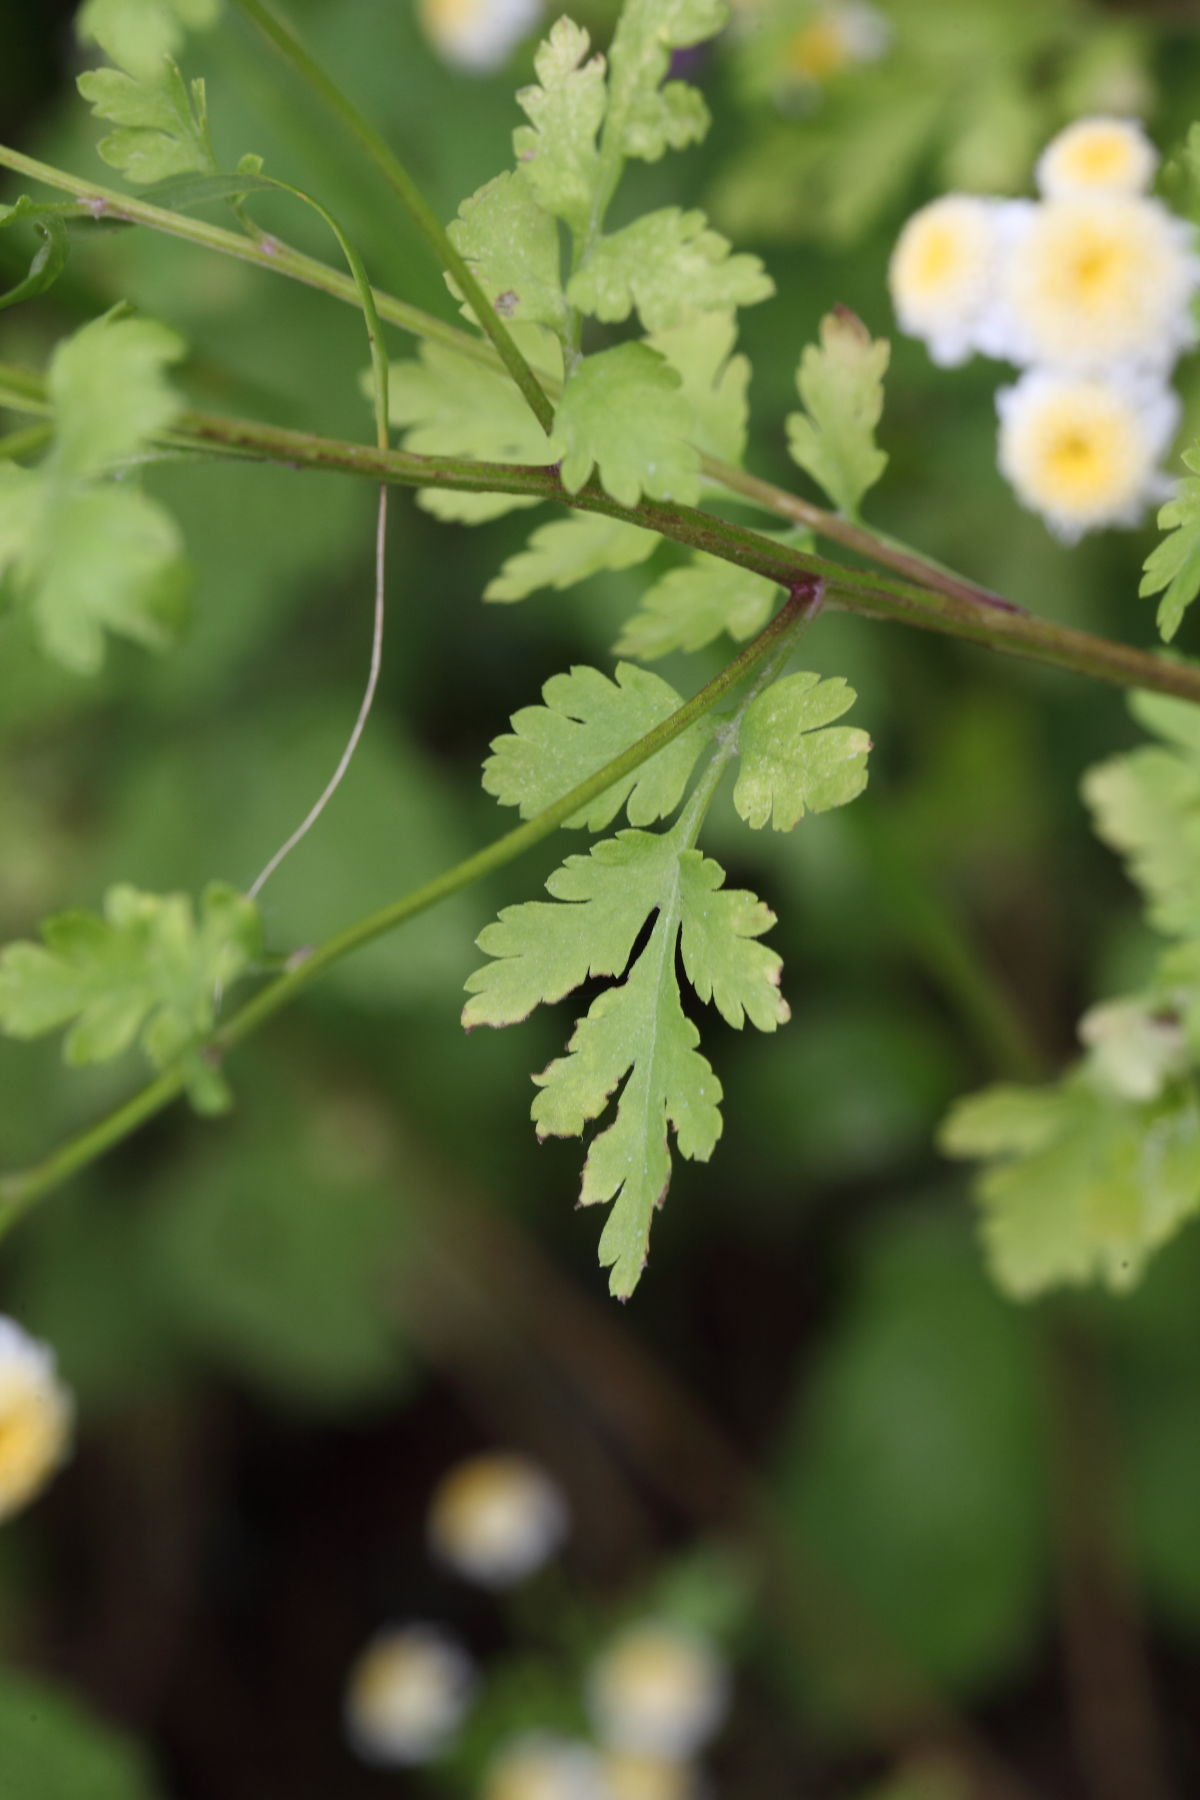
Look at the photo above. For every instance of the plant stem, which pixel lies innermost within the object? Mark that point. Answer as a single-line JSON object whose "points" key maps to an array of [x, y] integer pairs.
{"points": [[20, 1190], [410, 197], [268, 253], [961, 614]]}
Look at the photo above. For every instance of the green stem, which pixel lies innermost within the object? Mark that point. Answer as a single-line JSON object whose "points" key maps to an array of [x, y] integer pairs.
{"points": [[268, 253], [959, 615], [410, 197], [19, 1191]]}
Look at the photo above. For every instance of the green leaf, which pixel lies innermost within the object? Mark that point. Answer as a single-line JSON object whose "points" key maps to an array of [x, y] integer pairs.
{"points": [[109, 391], [145, 970], [556, 152], [645, 119], [692, 606], [50, 257], [714, 380], [51, 1748], [87, 555], [163, 125], [841, 384], [1175, 563], [636, 1029], [1146, 805], [569, 550], [448, 405], [1081, 1187], [139, 34], [511, 245], [586, 721], [792, 759], [102, 559], [668, 264], [623, 415]]}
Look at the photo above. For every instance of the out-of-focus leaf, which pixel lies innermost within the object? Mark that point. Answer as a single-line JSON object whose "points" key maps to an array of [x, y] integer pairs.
{"points": [[52, 1749]]}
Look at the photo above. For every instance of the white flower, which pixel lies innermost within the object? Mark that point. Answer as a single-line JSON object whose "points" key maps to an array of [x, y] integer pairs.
{"points": [[1084, 450], [658, 1690], [35, 1418], [407, 1695], [477, 35], [543, 1766], [1097, 156], [630, 1776], [944, 272], [835, 37], [1099, 283], [497, 1519]]}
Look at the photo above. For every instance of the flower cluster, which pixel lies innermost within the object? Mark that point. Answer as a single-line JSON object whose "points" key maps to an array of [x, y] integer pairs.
{"points": [[654, 1696], [1088, 290], [35, 1418]]}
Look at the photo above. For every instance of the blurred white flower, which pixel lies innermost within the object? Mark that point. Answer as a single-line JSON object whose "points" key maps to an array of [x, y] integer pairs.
{"points": [[497, 1518], [837, 35], [1084, 451], [944, 273], [543, 1766], [35, 1417], [630, 1776], [1097, 156], [658, 1690], [477, 35], [407, 1694], [1099, 283]]}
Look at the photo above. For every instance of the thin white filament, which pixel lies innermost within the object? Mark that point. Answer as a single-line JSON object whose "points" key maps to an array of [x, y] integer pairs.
{"points": [[364, 712]]}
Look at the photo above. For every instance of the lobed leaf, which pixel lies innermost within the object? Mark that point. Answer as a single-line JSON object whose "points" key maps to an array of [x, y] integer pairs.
{"points": [[714, 380], [139, 34], [1146, 805], [569, 550], [511, 245], [146, 970], [668, 265], [163, 127], [691, 606], [586, 721], [447, 405], [841, 384], [1174, 564], [89, 556], [1081, 1186], [644, 118], [623, 415], [636, 1032], [792, 760], [556, 152]]}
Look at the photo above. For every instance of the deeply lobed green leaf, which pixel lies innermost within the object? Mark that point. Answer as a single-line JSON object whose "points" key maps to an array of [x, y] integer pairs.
{"points": [[623, 415], [692, 606], [840, 382], [586, 721], [668, 264], [147, 970], [556, 152], [793, 760], [569, 550]]}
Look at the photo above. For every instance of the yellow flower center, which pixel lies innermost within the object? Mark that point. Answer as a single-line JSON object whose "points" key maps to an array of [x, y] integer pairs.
{"points": [[817, 50]]}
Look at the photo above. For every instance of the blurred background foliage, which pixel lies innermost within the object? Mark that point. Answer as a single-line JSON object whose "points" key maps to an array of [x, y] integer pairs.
{"points": [[921, 1518]]}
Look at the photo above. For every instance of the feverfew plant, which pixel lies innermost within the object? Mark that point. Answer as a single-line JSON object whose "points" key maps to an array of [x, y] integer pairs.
{"points": [[596, 370]]}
